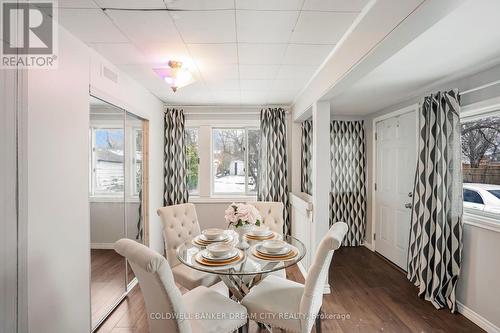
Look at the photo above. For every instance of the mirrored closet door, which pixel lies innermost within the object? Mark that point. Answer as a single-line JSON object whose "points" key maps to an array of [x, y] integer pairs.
{"points": [[117, 167]]}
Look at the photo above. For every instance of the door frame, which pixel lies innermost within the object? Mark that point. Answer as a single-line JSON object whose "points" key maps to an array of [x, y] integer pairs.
{"points": [[411, 108]]}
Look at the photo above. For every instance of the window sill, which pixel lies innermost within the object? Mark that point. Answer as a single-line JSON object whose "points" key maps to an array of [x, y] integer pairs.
{"points": [[113, 199], [222, 199], [482, 220]]}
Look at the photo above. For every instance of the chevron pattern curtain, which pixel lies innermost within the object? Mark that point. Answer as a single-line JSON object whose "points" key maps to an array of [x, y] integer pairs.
{"points": [[434, 253], [348, 170], [306, 157], [175, 163], [273, 164]]}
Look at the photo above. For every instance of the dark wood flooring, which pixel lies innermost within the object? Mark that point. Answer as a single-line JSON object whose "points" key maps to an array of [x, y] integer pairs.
{"points": [[368, 292]]}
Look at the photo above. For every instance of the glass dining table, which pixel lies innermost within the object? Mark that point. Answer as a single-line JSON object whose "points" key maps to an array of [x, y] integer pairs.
{"points": [[247, 272]]}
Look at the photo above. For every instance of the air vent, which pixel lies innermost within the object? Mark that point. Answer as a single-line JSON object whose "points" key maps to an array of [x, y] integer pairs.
{"points": [[109, 74]]}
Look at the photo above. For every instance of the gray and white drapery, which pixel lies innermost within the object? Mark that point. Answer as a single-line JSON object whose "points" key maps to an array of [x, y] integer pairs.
{"points": [[175, 163], [306, 157], [434, 252], [348, 177], [273, 164]]}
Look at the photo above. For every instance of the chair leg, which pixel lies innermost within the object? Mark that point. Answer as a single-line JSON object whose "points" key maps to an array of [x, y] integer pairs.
{"points": [[318, 322]]}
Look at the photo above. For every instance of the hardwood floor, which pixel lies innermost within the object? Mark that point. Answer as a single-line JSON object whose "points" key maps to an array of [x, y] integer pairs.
{"points": [[370, 294], [107, 281]]}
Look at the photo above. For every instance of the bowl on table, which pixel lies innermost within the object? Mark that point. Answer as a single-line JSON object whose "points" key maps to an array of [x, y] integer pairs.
{"points": [[212, 234], [260, 231], [274, 245], [219, 250]]}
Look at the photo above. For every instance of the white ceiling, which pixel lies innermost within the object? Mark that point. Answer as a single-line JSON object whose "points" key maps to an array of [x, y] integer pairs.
{"points": [[240, 51], [461, 43]]}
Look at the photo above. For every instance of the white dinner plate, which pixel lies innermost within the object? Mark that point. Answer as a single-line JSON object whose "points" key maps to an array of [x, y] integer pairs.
{"points": [[207, 255], [281, 253]]}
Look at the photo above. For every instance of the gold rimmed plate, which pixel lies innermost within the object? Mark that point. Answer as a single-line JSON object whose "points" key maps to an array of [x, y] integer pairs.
{"points": [[292, 253], [203, 261], [273, 235]]}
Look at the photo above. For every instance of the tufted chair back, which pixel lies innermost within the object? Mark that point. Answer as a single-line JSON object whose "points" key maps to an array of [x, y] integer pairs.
{"points": [[161, 295], [179, 224], [316, 276], [272, 214]]}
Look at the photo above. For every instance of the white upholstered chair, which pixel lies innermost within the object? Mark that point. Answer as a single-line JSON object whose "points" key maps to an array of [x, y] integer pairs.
{"points": [[272, 216], [180, 224], [301, 302], [271, 213], [168, 310]]}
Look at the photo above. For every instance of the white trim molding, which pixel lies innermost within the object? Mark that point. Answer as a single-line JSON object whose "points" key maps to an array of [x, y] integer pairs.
{"points": [[477, 319], [485, 221]]}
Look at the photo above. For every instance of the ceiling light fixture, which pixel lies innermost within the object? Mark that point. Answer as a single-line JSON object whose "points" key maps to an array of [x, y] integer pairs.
{"points": [[175, 75]]}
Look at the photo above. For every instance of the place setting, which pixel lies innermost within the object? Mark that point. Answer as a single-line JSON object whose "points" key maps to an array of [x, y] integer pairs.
{"points": [[261, 233], [213, 236], [274, 250], [219, 255]]}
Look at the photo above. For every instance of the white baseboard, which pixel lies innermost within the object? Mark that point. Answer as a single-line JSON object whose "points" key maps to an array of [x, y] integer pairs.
{"points": [[369, 246], [102, 246], [477, 319]]}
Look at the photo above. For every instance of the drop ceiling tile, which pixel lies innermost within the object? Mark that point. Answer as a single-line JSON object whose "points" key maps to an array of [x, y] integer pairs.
{"points": [[261, 54], [101, 30], [288, 85], [250, 97], [321, 27], [211, 54], [206, 26], [269, 5], [287, 72], [335, 5], [300, 54], [146, 27], [281, 97], [265, 26], [161, 53], [200, 4], [259, 72], [120, 53], [226, 97], [135, 4], [256, 85], [220, 72], [219, 84]]}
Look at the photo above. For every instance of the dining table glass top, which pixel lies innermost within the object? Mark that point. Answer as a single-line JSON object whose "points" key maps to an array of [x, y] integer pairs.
{"points": [[250, 263]]}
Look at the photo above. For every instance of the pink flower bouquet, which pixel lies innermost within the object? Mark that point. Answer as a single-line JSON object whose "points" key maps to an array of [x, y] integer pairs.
{"points": [[239, 214]]}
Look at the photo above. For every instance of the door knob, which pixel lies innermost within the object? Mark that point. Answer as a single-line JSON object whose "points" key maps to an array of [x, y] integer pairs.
{"points": [[408, 205], [410, 194]]}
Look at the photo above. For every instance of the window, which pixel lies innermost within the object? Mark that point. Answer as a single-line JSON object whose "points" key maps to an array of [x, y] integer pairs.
{"points": [[107, 162], [235, 160], [193, 159], [109, 177], [481, 162]]}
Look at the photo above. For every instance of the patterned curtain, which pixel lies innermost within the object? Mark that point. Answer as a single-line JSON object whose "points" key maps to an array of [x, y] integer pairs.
{"points": [[273, 165], [348, 168], [175, 172], [306, 157], [434, 252]]}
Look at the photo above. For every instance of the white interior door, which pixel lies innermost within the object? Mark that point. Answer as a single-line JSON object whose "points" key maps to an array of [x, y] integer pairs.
{"points": [[396, 153]]}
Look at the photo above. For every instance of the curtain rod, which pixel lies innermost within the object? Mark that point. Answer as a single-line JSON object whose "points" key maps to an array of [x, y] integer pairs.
{"points": [[480, 87]]}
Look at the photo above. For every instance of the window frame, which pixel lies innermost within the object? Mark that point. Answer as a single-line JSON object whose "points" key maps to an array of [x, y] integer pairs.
{"points": [[205, 146], [212, 176], [128, 193], [471, 112]]}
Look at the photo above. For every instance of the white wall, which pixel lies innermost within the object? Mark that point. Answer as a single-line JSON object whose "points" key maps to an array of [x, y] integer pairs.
{"points": [[107, 222], [479, 285], [57, 175]]}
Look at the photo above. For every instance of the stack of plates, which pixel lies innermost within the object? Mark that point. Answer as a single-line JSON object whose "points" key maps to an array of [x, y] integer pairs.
{"points": [[269, 235], [206, 258], [288, 253], [201, 240]]}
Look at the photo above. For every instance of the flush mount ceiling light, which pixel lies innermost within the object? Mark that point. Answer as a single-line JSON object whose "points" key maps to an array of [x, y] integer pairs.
{"points": [[175, 75]]}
